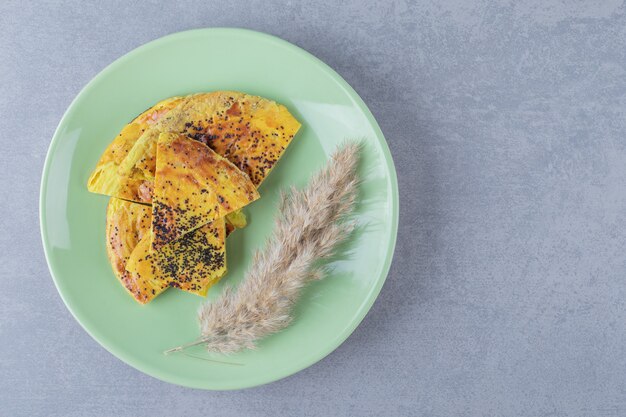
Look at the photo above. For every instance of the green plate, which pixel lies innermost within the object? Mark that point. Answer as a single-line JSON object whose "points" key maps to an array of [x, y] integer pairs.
{"points": [[72, 219]]}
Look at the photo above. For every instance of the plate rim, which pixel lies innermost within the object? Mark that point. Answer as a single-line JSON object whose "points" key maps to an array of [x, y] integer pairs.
{"points": [[359, 315]]}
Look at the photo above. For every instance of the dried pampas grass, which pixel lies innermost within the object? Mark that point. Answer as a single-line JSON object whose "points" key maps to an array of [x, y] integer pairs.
{"points": [[309, 227]]}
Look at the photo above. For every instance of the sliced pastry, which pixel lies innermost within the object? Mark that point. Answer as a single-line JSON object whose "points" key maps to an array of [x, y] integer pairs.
{"points": [[193, 186], [250, 131], [192, 263], [127, 224], [133, 185]]}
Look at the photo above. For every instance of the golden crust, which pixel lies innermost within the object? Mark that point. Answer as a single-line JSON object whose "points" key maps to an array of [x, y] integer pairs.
{"points": [[134, 186], [193, 263], [193, 186], [250, 131], [126, 224]]}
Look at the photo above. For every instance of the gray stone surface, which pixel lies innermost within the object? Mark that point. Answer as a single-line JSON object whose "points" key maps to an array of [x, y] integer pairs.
{"points": [[506, 121]]}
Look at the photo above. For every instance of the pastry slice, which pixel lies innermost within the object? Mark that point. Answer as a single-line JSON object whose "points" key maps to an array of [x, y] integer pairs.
{"points": [[192, 263], [126, 224], [250, 131], [133, 185], [193, 186]]}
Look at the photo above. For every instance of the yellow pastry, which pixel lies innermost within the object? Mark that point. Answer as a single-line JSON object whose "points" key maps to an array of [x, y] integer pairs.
{"points": [[192, 263], [193, 186], [126, 224], [133, 186]]}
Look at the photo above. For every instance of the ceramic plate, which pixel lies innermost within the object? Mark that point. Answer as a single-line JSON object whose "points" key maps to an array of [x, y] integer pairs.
{"points": [[72, 219]]}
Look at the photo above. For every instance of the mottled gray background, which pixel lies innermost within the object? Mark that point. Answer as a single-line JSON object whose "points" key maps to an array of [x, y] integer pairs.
{"points": [[507, 292]]}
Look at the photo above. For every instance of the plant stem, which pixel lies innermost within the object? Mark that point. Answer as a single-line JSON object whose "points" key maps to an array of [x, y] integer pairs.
{"points": [[185, 346]]}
